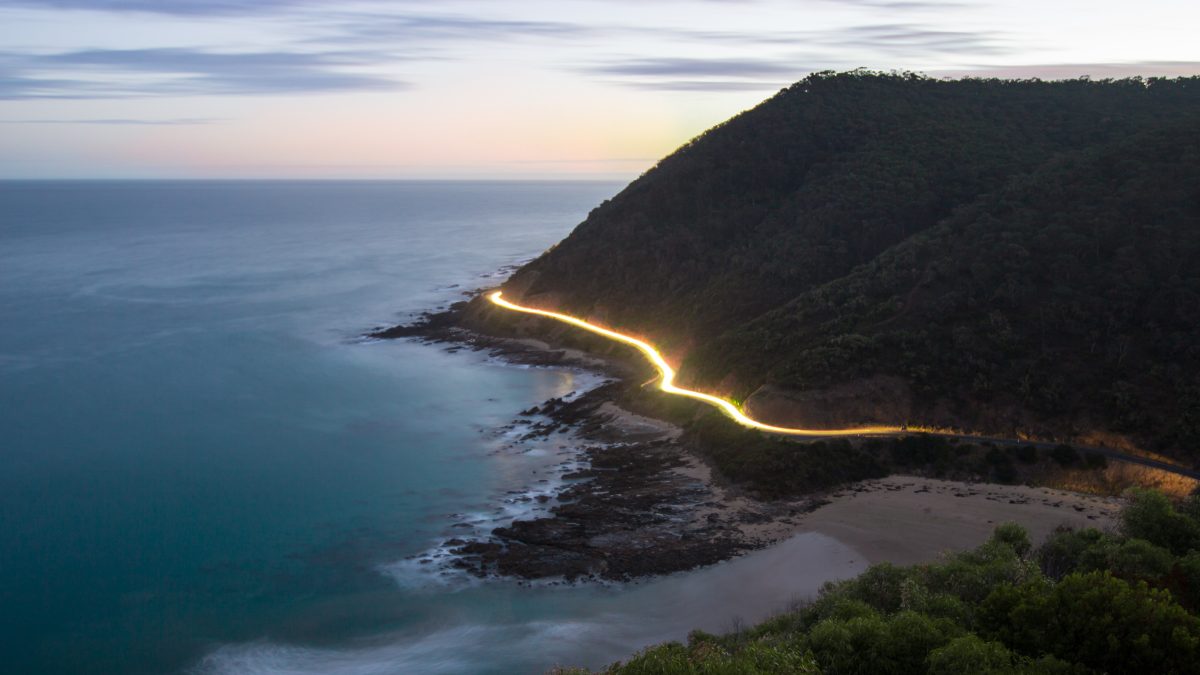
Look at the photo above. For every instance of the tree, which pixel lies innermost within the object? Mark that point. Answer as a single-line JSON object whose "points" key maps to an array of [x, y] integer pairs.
{"points": [[1014, 536], [970, 654], [1138, 559], [1097, 620], [1068, 550], [1151, 516]]}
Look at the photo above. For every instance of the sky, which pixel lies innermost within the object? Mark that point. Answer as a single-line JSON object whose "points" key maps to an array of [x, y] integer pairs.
{"points": [[478, 89]]}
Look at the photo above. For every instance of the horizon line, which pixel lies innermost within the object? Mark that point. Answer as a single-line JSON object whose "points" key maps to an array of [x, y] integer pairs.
{"points": [[102, 179]]}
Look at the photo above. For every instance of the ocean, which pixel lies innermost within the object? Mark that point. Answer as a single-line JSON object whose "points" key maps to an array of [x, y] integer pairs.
{"points": [[204, 468]]}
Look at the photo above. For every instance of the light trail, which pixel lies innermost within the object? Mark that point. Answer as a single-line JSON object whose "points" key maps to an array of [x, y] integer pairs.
{"points": [[666, 383], [666, 380]]}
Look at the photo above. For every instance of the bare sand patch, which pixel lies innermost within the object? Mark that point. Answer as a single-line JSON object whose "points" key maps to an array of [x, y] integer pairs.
{"points": [[899, 519], [907, 519]]}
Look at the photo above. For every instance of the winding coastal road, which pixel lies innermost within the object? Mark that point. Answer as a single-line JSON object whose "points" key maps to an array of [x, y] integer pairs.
{"points": [[666, 383]]}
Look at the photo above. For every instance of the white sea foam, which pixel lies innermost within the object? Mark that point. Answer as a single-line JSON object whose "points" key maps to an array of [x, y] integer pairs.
{"points": [[470, 648], [590, 626], [433, 567]]}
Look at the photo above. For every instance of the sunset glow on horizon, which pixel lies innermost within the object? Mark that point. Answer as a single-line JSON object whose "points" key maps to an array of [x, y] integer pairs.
{"points": [[479, 89]]}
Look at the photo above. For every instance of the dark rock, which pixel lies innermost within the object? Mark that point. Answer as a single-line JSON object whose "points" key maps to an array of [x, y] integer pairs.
{"points": [[634, 517]]}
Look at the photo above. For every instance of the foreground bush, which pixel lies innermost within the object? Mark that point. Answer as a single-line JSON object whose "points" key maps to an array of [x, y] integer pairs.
{"points": [[1083, 602]]}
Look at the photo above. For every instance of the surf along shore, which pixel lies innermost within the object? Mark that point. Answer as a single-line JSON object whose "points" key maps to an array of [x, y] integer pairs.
{"points": [[650, 504]]}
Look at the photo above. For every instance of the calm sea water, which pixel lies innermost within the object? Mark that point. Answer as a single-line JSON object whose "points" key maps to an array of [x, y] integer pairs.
{"points": [[203, 470]]}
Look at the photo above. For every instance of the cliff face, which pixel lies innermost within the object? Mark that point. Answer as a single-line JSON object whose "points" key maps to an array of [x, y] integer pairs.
{"points": [[982, 245]]}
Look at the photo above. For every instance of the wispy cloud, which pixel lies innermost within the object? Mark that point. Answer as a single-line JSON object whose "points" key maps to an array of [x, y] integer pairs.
{"points": [[904, 39], [334, 43], [261, 7], [117, 121], [908, 5], [712, 85], [1058, 71], [790, 55], [341, 50], [694, 67], [123, 73], [172, 7], [355, 27]]}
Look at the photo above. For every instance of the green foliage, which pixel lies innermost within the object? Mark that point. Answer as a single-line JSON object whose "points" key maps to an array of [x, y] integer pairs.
{"points": [[1188, 581], [971, 575], [880, 587], [970, 654], [708, 658], [1151, 516], [1068, 550], [777, 467], [1096, 620], [1014, 536], [990, 610], [1090, 550], [896, 644], [1138, 559]]}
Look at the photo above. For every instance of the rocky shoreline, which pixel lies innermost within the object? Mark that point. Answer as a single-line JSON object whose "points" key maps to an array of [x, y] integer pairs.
{"points": [[640, 508], [643, 505], [637, 500]]}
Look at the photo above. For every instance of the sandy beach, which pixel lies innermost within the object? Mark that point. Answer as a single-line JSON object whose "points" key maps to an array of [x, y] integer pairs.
{"points": [[902, 519], [899, 519], [908, 519]]}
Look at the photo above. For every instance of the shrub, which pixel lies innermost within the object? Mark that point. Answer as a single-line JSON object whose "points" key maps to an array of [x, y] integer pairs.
{"points": [[708, 658], [970, 654], [877, 645], [1096, 620], [1149, 515], [1013, 535], [1137, 559], [1067, 550], [1188, 573]]}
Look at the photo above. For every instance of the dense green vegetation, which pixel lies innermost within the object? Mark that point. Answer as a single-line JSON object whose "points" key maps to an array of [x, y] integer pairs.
{"points": [[1083, 602], [774, 467], [1020, 253]]}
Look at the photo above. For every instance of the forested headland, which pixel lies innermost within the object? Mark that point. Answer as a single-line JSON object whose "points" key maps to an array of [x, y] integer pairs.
{"points": [[1009, 257]]}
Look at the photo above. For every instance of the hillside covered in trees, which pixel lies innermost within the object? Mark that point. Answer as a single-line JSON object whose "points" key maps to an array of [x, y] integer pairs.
{"points": [[1005, 256]]}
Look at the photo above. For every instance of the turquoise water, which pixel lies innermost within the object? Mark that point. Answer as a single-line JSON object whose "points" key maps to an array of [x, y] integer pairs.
{"points": [[203, 469]]}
